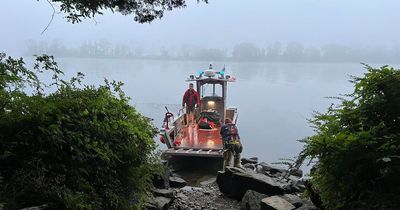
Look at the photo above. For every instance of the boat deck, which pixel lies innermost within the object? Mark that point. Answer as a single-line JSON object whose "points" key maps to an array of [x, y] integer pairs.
{"points": [[195, 138], [192, 141]]}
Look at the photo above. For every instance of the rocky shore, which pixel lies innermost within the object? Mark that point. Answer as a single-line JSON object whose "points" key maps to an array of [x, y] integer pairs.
{"points": [[253, 186]]}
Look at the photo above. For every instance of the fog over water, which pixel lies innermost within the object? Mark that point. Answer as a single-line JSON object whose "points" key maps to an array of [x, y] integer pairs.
{"points": [[221, 24], [274, 98]]}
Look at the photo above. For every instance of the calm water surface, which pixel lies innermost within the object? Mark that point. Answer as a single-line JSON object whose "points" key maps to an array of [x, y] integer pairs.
{"points": [[274, 100]]}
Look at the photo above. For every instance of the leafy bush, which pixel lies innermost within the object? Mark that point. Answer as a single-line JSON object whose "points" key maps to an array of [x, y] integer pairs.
{"points": [[80, 147], [357, 145]]}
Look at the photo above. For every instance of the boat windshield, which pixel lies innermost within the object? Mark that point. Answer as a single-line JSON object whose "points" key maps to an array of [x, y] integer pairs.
{"points": [[211, 90]]}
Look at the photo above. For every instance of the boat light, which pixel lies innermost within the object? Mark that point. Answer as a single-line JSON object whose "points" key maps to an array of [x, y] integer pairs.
{"points": [[210, 143], [201, 72], [211, 104]]}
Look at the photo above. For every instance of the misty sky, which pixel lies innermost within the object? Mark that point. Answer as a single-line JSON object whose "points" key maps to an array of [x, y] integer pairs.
{"points": [[221, 23]]}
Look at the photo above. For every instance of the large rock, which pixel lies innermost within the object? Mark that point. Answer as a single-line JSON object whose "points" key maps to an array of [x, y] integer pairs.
{"points": [[168, 193], [158, 203], [294, 200], [296, 186], [268, 169], [161, 181], [299, 203], [252, 160], [235, 182], [307, 205], [276, 203], [249, 166], [176, 182], [296, 172], [251, 200]]}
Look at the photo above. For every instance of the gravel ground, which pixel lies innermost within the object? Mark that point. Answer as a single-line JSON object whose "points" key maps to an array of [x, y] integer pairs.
{"points": [[205, 197]]}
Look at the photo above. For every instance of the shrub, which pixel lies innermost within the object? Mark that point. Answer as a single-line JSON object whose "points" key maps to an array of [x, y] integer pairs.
{"points": [[80, 147], [357, 145]]}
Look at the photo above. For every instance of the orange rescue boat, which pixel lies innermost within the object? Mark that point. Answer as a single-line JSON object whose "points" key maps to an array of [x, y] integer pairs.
{"points": [[201, 138]]}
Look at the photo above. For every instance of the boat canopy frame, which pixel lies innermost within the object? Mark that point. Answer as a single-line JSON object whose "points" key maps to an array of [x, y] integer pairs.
{"points": [[200, 82]]}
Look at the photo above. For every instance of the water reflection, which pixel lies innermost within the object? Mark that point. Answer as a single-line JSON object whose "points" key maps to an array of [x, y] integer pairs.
{"points": [[273, 99]]}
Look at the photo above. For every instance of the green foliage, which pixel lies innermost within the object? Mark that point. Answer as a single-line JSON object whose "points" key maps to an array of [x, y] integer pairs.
{"points": [[143, 11], [357, 145], [288, 162], [80, 147]]}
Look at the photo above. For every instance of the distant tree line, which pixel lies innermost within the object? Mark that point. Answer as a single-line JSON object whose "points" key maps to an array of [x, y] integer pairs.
{"points": [[86, 49], [245, 52]]}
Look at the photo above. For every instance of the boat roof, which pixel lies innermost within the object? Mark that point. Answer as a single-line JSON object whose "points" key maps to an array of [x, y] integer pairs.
{"points": [[210, 79], [210, 76]]}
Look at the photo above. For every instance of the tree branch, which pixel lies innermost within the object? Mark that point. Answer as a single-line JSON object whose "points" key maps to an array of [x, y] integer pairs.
{"points": [[52, 17]]}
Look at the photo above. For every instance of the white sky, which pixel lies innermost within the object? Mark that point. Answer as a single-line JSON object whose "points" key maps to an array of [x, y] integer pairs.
{"points": [[221, 23]]}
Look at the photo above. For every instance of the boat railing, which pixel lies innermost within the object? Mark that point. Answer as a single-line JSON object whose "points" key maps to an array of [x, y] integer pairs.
{"points": [[178, 124]]}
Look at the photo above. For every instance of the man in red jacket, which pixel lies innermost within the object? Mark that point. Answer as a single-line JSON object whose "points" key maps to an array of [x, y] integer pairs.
{"points": [[191, 99]]}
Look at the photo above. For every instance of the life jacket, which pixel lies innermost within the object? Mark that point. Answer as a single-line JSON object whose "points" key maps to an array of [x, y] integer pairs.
{"points": [[206, 124], [233, 131], [204, 120], [229, 132], [212, 124]]}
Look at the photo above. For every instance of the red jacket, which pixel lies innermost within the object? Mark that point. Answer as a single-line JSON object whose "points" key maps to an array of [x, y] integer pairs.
{"points": [[190, 98]]}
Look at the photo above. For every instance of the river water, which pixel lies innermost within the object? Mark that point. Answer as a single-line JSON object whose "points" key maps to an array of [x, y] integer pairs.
{"points": [[274, 100]]}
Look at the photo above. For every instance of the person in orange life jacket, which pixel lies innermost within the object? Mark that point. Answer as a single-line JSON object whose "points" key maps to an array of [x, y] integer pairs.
{"points": [[191, 99], [232, 146]]}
